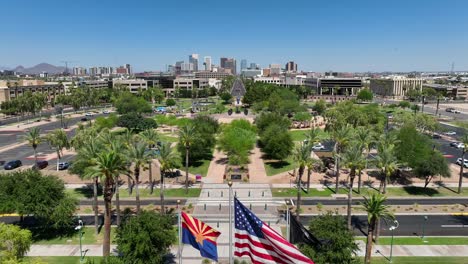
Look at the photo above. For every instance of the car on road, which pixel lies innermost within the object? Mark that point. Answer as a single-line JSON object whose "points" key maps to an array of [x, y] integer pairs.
{"points": [[318, 146], [42, 164], [449, 109], [63, 165], [105, 112], [11, 165], [450, 133], [436, 136], [454, 144], [465, 162], [89, 114], [84, 119]]}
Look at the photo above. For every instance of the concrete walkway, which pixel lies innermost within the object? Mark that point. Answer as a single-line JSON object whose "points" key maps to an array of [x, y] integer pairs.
{"points": [[256, 167], [216, 169]]}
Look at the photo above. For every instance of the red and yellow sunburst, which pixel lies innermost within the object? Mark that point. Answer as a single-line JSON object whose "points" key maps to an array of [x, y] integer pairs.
{"points": [[200, 230]]}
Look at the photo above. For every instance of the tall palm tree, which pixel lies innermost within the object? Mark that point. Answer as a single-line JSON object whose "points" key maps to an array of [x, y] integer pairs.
{"points": [[138, 155], [341, 136], [151, 137], [310, 165], [387, 162], [376, 210], [464, 141], [108, 164], [302, 156], [167, 161], [355, 161], [313, 135], [118, 146], [127, 138], [58, 140], [34, 139], [187, 135], [365, 138]]}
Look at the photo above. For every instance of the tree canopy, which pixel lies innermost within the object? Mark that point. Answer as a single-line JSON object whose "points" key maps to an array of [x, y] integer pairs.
{"points": [[14, 242], [365, 95], [127, 102], [237, 139]]}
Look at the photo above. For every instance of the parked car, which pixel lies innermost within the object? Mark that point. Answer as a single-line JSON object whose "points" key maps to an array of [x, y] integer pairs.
{"points": [[454, 144], [63, 165], [318, 146], [436, 136], [172, 174], [11, 165], [105, 112], [40, 165], [89, 114], [449, 109], [450, 133], [84, 119], [465, 162]]}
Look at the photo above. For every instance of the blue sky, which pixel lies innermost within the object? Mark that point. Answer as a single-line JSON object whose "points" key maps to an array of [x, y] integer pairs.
{"points": [[319, 35]]}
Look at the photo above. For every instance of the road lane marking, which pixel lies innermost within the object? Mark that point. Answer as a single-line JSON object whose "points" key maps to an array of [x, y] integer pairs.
{"points": [[456, 226]]}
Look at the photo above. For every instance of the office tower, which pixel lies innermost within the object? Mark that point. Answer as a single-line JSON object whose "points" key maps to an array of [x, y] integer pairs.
{"points": [[207, 63], [222, 62], [229, 64], [243, 64], [193, 59], [254, 66], [275, 69], [291, 66], [129, 68]]}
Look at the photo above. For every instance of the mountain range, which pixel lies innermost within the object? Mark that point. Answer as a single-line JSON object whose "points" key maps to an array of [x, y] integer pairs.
{"points": [[39, 68]]}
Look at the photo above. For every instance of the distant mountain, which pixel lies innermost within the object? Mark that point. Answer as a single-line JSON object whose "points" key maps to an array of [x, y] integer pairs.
{"points": [[42, 67], [2, 68]]}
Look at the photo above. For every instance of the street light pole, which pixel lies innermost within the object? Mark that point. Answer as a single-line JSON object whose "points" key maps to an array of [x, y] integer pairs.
{"points": [[424, 223], [392, 228], [80, 229], [230, 223]]}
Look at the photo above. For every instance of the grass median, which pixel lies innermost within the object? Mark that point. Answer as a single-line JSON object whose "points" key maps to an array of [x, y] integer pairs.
{"points": [[89, 237], [414, 240], [87, 193]]}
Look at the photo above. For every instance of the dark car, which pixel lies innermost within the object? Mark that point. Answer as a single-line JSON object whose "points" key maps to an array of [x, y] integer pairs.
{"points": [[40, 165], [63, 165], [436, 136], [11, 165], [84, 119]]}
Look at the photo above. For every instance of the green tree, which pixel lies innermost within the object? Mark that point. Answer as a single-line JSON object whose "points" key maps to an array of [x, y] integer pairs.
{"points": [[170, 102], [138, 155], [187, 135], [265, 119], [365, 138], [355, 161], [237, 139], [34, 139], [168, 160], [146, 238], [107, 166], [129, 103], [435, 164], [276, 142], [151, 137], [58, 140], [341, 136], [376, 209], [14, 242], [365, 95], [301, 156], [226, 97], [339, 246], [387, 163], [136, 122]]}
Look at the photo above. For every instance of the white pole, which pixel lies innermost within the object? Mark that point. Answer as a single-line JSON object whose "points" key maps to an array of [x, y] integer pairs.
{"points": [[179, 231], [288, 224], [230, 223]]}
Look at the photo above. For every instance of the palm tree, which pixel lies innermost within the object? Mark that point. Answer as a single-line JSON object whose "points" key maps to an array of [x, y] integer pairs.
{"points": [[341, 136], [310, 165], [139, 156], [376, 210], [366, 139], [127, 138], [167, 161], [464, 141], [34, 139], [150, 136], [118, 146], [313, 136], [302, 156], [108, 164], [58, 140], [387, 162], [355, 161], [187, 135]]}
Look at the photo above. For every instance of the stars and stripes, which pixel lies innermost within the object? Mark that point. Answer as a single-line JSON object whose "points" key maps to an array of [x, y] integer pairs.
{"points": [[255, 239]]}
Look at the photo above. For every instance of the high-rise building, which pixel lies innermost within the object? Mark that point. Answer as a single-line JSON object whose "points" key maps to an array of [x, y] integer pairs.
{"points": [[254, 66], [129, 68], [207, 63], [229, 64], [243, 64], [291, 66], [275, 69], [193, 59]]}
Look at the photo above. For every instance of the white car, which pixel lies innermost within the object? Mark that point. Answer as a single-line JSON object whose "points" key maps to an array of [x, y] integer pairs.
{"points": [[450, 133], [318, 146], [105, 112], [89, 114], [465, 162], [455, 111], [460, 145]]}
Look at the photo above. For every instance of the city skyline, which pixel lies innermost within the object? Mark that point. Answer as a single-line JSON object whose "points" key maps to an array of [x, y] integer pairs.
{"points": [[323, 36]]}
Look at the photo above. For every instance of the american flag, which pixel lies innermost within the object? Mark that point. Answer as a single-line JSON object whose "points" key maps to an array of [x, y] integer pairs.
{"points": [[261, 243]]}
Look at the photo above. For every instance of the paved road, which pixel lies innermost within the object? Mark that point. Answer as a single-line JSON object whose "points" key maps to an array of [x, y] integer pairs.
{"points": [[410, 225], [25, 153]]}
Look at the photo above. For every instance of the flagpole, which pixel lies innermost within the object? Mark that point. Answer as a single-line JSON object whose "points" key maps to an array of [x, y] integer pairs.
{"points": [[179, 224], [288, 224], [230, 222]]}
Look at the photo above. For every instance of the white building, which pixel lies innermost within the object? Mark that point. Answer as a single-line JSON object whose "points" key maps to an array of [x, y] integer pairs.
{"points": [[133, 85], [275, 69], [396, 86], [207, 63]]}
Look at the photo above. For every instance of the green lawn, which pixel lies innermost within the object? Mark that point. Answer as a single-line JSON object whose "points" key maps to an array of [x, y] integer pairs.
{"points": [[299, 135], [275, 167], [292, 192], [59, 260], [168, 138], [200, 167], [89, 237], [83, 193], [391, 192], [413, 240]]}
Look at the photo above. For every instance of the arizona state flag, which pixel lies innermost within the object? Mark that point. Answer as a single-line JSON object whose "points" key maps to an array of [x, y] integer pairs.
{"points": [[200, 235]]}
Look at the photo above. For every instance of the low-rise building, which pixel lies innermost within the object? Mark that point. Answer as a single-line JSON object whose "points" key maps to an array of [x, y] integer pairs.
{"points": [[210, 74], [395, 86], [334, 86], [450, 91], [133, 85], [10, 90]]}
